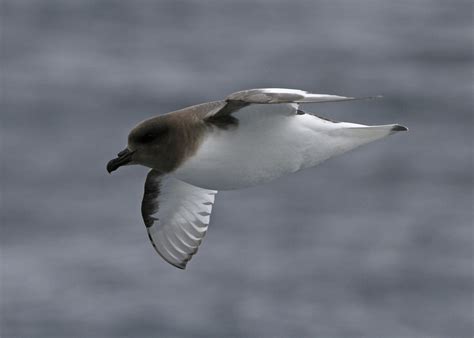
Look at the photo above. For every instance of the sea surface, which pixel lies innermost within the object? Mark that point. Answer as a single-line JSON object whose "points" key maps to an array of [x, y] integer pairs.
{"points": [[375, 243]]}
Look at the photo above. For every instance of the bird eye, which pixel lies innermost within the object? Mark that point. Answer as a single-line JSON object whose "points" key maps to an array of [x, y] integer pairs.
{"points": [[148, 137]]}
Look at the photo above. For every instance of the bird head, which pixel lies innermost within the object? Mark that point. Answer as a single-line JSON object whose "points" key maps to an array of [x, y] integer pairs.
{"points": [[149, 144]]}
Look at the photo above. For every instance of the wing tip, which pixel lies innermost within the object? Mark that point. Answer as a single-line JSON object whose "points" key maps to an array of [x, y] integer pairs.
{"points": [[181, 266], [325, 98], [398, 127]]}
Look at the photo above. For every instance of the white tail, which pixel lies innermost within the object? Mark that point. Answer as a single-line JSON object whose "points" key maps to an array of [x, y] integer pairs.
{"points": [[335, 138], [369, 133]]}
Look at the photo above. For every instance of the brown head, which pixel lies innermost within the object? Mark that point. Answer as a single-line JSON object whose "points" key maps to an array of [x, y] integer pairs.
{"points": [[161, 143]]}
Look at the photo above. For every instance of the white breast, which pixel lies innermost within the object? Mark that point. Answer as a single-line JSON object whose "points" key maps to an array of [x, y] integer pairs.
{"points": [[269, 142]]}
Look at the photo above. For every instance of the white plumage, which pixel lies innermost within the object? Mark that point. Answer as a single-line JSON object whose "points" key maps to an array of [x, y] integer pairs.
{"points": [[181, 219], [271, 140]]}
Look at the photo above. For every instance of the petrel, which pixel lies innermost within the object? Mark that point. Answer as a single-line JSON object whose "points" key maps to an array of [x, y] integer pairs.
{"points": [[250, 137]]}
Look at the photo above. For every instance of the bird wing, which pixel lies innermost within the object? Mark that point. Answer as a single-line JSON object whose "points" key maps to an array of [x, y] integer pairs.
{"points": [[284, 102], [176, 216], [282, 95]]}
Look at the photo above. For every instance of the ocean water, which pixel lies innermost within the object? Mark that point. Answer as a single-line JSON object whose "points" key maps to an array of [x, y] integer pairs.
{"points": [[375, 243]]}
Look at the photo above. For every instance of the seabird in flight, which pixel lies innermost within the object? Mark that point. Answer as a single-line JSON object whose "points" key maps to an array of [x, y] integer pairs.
{"points": [[250, 137]]}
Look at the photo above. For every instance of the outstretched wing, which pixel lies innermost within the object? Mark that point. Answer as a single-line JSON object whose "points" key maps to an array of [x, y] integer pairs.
{"points": [[176, 215], [288, 100], [282, 95]]}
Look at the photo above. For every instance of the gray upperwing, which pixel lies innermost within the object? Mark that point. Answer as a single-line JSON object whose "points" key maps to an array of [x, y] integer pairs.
{"points": [[283, 95], [225, 116]]}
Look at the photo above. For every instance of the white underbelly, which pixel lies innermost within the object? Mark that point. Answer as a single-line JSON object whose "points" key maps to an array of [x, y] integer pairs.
{"points": [[254, 154], [271, 141]]}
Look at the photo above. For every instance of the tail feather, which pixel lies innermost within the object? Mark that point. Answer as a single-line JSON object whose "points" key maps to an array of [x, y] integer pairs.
{"points": [[335, 138], [366, 134], [383, 130]]}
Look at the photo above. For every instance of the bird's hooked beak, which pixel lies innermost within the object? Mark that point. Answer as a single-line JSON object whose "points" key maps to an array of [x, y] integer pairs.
{"points": [[123, 158]]}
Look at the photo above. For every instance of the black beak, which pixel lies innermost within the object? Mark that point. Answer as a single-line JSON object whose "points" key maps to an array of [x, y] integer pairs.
{"points": [[123, 158]]}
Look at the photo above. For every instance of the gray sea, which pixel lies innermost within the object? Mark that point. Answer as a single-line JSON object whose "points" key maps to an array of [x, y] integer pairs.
{"points": [[375, 243]]}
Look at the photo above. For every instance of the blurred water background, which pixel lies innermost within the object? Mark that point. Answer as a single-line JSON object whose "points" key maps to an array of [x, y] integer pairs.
{"points": [[376, 243]]}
